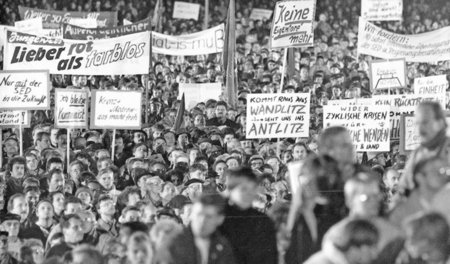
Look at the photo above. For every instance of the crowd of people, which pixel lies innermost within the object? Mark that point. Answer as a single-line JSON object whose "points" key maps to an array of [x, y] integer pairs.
{"points": [[207, 194]]}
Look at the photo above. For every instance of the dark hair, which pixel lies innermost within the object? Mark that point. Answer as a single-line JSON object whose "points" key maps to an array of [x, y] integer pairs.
{"points": [[436, 108], [239, 172], [65, 220], [222, 103], [357, 233], [54, 160], [16, 160], [61, 132], [215, 200], [41, 134], [71, 200], [197, 167], [53, 172]]}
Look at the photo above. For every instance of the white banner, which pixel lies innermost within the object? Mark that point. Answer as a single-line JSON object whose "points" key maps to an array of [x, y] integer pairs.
{"points": [[128, 54], [195, 93], [382, 10], [83, 22], [387, 74], [116, 109], [23, 90], [261, 14], [292, 24], [278, 115], [11, 118], [71, 108], [185, 10], [368, 124], [203, 42], [33, 26], [426, 47], [436, 85]]}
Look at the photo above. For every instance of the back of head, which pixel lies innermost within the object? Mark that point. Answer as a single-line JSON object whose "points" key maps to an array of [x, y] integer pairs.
{"points": [[87, 254], [357, 233], [429, 228], [235, 175]]}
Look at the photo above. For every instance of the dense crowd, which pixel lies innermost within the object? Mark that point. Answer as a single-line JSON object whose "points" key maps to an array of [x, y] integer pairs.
{"points": [[207, 194]]}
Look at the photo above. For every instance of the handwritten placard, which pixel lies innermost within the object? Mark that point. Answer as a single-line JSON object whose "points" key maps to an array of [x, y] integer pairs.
{"points": [[24, 90], [387, 74], [292, 24], [11, 118], [278, 115], [436, 85], [116, 109], [382, 10], [412, 137], [368, 124], [71, 108], [195, 93], [185, 10]]}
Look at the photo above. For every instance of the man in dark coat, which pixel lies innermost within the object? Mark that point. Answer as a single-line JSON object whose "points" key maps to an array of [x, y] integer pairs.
{"points": [[251, 233], [200, 242]]}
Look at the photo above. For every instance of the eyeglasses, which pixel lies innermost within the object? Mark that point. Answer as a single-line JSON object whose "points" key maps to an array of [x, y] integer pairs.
{"points": [[444, 171]]}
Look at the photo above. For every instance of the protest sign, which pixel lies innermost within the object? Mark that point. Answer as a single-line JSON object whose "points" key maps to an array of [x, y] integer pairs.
{"points": [[52, 19], [80, 33], [83, 22], [71, 108], [33, 26], [410, 134], [277, 115], [195, 93], [122, 55], [23, 90], [368, 124], [387, 74], [14, 118], [203, 42], [431, 47], [260, 14], [382, 10], [436, 85], [116, 109], [292, 24], [185, 10]]}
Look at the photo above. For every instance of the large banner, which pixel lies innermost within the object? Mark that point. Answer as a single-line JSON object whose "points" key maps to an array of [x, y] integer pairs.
{"points": [[278, 115], [123, 55], [53, 19], [386, 75], [382, 10], [195, 93], [292, 24], [71, 108], [203, 42], [436, 85], [24, 90], [81, 33], [116, 109], [11, 118], [368, 124], [426, 47], [185, 10]]}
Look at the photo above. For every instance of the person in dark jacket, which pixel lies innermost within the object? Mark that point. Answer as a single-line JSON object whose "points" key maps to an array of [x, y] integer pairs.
{"points": [[200, 242], [251, 233]]}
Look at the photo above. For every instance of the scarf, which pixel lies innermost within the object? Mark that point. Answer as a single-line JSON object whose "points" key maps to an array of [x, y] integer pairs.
{"points": [[436, 141]]}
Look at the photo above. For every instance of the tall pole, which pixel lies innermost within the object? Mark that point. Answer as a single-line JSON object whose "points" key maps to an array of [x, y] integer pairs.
{"points": [[206, 20]]}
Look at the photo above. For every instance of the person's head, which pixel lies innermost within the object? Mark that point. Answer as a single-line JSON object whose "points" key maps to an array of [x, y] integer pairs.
{"points": [[131, 195], [57, 199], [242, 185], [139, 136], [44, 210], [72, 205], [194, 188], [3, 243], [105, 206], [11, 224], [163, 230], [61, 138], [32, 194], [337, 143], [17, 167], [358, 242], [430, 119], [362, 194], [106, 178], [87, 254], [391, 178], [428, 237], [32, 161], [207, 215], [36, 248], [42, 140], [11, 146], [299, 151], [256, 162], [221, 110], [139, 249], [18, 205], [55, 179], [197, 171], [431, 174], [130, 214], [72, 228], [169, 190], [140, 151], [55, 163], [76, 167]]}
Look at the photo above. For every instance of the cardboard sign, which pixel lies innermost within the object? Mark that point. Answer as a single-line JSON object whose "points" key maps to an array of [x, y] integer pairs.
{"points": [[54, 19], [429, 47], [195, 93], [119, 56], [292, 24], [387, 74], [200, 43], [382, 10], [261, 14], [436, 85], [71, 108], [411, 136], [278, 115], [185, 10], [81, 33], [368, 125], [11, 119], [116, 109], [24, 90], [31, 25]]}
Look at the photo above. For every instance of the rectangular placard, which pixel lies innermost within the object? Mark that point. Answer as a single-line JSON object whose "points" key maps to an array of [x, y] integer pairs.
{"points": [[387, 74], [13, 118], [382, 10], [71, 108]]}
